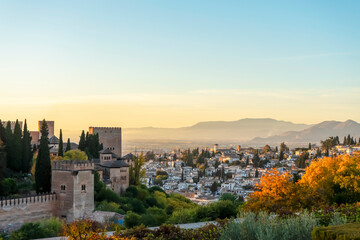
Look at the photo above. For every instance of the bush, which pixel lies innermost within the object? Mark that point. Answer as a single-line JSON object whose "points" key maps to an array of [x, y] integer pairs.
{"points": [[109, 207], [44, 229], [208, 232], [344, 232], [107, 195], [154, 217], [183, 216], [264, 226], [8, 187], [132, 219]]}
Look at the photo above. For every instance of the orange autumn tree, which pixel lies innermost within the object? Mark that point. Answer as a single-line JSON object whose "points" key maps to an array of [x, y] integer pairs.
{"points": [[327, 181], [276, 192]]}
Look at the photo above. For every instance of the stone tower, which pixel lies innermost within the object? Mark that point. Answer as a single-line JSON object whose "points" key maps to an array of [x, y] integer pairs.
{"points": [[73, 183], [110, 137]]}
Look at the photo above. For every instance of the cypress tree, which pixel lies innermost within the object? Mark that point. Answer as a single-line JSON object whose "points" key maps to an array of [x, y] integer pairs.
{"points": [[8, 143], [43, 165], [68, 146], [309, 146], [17, 151], [61, 147], [344, 142], [2, 133], [82, 142], [26, 150]]}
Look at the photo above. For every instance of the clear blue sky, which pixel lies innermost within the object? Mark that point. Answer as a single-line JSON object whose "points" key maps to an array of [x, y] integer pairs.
{"points": [[181, 56]]}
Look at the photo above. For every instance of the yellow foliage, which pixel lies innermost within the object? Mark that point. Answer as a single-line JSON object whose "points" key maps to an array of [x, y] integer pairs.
{"points": [[276, 191], [322, 181]]}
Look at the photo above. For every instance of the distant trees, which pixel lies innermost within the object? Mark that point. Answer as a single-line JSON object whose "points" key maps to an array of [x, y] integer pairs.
{"points": [[43, 165], [18, 152], [90, 144], [329, 143], [61, 145], [213, 187], [68, 145], [149, 156], [301, 161], [266, 149], [283, 149], [349, 140]]}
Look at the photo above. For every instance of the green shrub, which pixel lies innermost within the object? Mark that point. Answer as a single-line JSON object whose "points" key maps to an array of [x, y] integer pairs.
{"points": [[183, 216], [350, 231], [43, 229], [8, 186], [132, 219], [108, 206], [208, 232], [265, 227]]}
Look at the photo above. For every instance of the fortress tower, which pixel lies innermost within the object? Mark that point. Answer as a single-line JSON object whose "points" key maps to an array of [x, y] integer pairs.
{"points": [[73, 183], [110, 137]]}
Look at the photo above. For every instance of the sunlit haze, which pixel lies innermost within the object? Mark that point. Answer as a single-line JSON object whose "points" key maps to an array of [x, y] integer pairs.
{"points": [[176, 63]]}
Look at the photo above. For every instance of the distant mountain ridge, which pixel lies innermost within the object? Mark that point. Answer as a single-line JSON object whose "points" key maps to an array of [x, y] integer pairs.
{"points": [[216, 131], [313, 134]]}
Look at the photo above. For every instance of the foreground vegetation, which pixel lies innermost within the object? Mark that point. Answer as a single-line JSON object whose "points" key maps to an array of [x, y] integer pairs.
{"points": [[153, 207]]}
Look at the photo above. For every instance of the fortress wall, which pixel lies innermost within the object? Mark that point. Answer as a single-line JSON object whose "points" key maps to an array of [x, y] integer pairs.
{"points": [[15, 212]]}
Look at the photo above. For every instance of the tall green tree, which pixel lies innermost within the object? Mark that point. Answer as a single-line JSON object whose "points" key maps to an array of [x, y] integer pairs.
{"points": [[2, 161], [135, 171], [43, 164], [9, 144], [16, 153], [61, 145], [2, 133], [27, 153], [68, 145], [82, 142]]}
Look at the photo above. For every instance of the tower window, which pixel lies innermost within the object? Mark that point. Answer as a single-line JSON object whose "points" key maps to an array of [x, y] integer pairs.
{"points": [[62, 188], [83, 188]]}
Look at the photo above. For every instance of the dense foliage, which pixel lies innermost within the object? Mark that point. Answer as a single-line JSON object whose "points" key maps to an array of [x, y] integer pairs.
{"points": [[264, 226], [46, 228], [43, 164], [347, 231], [326, 181]]}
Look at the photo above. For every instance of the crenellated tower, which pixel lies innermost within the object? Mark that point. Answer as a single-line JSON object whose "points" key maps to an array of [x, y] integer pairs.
{"points": [[73, 183]]}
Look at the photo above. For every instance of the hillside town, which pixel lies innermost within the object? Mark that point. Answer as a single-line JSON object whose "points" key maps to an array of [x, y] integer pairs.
{"points": [[229, 170]]}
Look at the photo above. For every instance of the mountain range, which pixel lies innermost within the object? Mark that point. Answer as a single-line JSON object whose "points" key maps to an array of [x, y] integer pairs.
{"points": [[248, 132], [313, 134]]}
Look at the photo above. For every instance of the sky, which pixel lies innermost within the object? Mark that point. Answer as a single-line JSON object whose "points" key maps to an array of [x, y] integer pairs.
{"points": [[176, 63]]}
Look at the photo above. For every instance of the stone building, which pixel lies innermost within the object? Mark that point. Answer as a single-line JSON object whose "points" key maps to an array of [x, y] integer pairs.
{"points": [[72, 197], [73, 182], [110, 137], [113, 170]]}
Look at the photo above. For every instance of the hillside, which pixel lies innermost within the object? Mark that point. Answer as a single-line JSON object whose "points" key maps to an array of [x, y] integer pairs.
{"points": [[313, 134], [217, 131]]}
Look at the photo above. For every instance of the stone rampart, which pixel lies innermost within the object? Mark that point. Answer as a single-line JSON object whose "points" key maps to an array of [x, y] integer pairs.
{"points": [[17, 211]]}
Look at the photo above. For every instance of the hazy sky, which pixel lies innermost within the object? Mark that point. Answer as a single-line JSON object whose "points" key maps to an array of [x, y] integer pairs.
{"points": [[175, 63]]}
